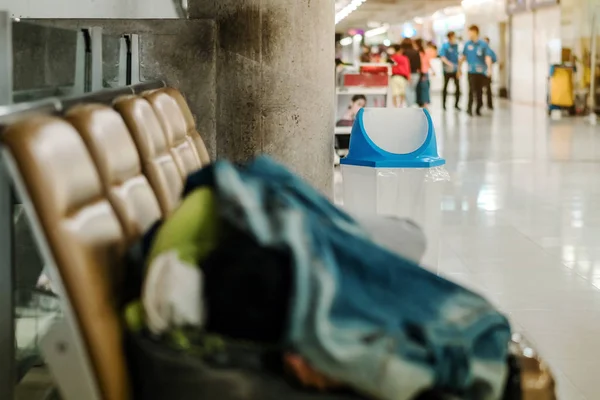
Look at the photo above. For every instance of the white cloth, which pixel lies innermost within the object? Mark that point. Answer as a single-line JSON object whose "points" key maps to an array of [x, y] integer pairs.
{"points": [[172, 295]]}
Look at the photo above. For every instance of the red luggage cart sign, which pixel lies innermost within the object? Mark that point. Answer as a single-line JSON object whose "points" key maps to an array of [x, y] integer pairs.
{"points": [[369, 76]]}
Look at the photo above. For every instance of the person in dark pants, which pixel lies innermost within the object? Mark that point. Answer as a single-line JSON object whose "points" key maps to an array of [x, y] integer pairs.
{"points": [[449, 56], [476, 54], [414, 59], [488, 86]]}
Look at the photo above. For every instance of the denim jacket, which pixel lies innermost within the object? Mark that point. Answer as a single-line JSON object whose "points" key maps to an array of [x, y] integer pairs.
{"points": [[360, 313]]}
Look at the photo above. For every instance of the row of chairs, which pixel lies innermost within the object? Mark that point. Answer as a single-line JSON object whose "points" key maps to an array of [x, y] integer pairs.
{"points": [[93, 178], [93, 174]]}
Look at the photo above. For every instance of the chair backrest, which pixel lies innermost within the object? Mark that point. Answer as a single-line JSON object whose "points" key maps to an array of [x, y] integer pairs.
{"points": [[174, 127], [158, 163], [116, 157], [190, 123], [83, 234]]}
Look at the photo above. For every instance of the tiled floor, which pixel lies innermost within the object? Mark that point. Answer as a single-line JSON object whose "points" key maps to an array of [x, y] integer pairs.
{"points": [[521, 225]]}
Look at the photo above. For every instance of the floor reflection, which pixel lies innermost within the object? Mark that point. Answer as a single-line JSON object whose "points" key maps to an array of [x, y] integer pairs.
{"points": [[522, 226]]}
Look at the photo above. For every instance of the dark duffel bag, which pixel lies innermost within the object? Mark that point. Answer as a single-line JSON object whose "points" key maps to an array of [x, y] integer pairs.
{"points": [[161, 373]]}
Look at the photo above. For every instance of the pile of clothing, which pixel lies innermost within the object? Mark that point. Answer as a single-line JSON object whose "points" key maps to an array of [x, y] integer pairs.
{"points": [[258, 273]]}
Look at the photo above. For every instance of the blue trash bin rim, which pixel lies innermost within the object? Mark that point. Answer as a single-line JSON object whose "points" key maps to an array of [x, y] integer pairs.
{"points": [[426, 156]]}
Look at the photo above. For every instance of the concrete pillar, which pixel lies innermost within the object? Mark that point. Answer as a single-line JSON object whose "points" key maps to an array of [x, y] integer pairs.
{"points": [[275, 81]]}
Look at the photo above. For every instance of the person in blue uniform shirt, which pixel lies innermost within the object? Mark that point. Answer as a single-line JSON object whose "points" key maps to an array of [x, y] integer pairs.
{"points": [[450, 55], [476, 54], [488, 87]]}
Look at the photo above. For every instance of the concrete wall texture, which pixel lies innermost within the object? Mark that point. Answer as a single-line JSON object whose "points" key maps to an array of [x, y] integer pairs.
{"points": [[275, 81], [43, 56], [258, 75]]}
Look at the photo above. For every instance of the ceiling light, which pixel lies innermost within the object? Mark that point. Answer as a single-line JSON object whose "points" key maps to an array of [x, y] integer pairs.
{"points": [[387, 42], [349, 9], [409, 31], [346, 41], [377, 31]]}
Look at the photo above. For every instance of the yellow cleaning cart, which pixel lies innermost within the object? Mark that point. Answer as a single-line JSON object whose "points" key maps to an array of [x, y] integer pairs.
{"points": [[561, 94]]}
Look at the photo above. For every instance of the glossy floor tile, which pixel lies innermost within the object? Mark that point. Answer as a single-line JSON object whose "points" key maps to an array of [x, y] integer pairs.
{"points": [[521, 225]]}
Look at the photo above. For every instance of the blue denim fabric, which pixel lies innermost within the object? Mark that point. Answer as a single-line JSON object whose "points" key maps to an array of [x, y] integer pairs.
{"points": [[360, 313]]}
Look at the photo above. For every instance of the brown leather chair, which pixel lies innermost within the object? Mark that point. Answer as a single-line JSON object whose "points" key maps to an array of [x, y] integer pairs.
{"points": [[190, 123], [83, 235], [174, 127], [158, 163], [116, 157]]}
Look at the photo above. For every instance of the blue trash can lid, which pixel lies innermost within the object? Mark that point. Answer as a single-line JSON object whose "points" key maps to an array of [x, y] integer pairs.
{"points": [[393, 138]]}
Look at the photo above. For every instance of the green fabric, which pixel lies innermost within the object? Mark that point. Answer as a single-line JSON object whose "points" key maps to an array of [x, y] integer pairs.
{"points": [[192, 230], [195, 342], [134, 316]]}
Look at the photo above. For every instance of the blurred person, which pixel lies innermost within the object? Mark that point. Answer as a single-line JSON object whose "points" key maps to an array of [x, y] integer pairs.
{"points": [[400, 74], [418, 46], [424, 85], [428, 52], [414, 59], [358, 101], [384, 56], [431, 50], [450, 57], [375, 55], [340, 64], [488, 86], [365, 56], [476, 54]]}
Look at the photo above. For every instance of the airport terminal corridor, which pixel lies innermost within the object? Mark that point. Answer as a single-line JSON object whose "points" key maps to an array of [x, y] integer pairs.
{"points": [[167, 174], [520, 225]]}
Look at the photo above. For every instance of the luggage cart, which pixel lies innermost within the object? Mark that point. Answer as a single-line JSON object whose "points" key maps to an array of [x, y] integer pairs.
{"points": [[370, 80]]}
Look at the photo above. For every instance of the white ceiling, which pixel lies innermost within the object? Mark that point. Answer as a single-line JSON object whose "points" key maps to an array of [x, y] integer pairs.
{"points": [[390, 11]]}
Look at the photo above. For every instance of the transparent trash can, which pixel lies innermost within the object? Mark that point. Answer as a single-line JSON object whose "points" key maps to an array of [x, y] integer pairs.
{"points": [[393, 169]]}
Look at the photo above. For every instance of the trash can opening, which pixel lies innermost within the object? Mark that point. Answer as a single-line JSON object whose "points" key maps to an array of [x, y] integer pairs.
{"points": [[396, 131]]}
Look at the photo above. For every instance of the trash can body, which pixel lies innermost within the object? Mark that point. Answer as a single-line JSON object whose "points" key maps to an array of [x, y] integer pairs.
{"points": [[393, 169]]}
